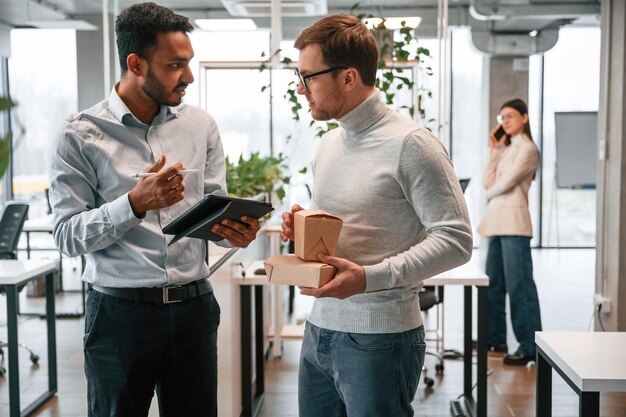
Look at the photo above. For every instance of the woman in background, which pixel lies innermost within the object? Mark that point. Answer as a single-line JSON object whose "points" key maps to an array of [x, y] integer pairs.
{"points": [[512, 165]]}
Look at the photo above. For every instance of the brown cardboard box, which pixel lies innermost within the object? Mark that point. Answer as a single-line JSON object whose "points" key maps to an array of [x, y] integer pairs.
{"points": [[289, 269], [315, 232]]}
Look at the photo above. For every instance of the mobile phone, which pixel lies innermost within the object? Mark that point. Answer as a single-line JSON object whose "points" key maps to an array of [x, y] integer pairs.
{"points": [[499, 133]]}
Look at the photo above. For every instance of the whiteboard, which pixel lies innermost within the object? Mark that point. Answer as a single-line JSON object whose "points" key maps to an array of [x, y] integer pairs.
{"points": [[576, 149]]}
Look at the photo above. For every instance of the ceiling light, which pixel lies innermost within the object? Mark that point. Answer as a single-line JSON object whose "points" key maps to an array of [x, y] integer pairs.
{"points": [[226, 24], [264, 7], [393, 22], [533, 33], [62, 24]]}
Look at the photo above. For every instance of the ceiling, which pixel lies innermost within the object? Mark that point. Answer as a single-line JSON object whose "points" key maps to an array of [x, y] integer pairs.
{"points": [[496, 23]]}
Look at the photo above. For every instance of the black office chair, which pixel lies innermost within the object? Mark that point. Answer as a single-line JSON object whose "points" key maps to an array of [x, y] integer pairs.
{"points": [[11, 226]]}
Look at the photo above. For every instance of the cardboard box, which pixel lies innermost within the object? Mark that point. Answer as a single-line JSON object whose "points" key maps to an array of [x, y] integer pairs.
{"points": [[315, 232], [289, 269]]}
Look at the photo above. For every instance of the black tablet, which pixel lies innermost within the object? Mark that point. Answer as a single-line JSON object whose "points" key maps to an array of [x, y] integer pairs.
{"points": [[198, 220]]}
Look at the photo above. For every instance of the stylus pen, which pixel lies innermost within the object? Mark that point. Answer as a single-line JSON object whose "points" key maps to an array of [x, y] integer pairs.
{"points": [[149, 174]]}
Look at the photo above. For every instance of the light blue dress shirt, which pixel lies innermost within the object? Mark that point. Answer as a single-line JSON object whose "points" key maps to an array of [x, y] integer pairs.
{"points": [[93, 159]]}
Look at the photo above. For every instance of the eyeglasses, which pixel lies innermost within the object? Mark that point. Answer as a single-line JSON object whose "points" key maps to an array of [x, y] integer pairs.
{"points": [[303, 78], [501, 117]]}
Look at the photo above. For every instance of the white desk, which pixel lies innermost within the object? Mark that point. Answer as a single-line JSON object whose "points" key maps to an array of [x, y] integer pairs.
{"points": [[468, 275], [589, 362], [272, 231], [14, 274], [45, 224], [39, 225]]}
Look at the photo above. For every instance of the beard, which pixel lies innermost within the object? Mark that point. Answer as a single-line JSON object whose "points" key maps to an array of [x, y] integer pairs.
{"points": [[332, 106], [157, 91]]}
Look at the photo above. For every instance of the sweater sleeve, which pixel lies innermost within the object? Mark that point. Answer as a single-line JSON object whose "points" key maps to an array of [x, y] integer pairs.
{"points": [[431, 187], [524, 164]]}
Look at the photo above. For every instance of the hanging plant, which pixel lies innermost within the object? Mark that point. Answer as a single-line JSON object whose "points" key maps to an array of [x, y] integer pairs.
{"points": [[392, 56], [395, 60]]}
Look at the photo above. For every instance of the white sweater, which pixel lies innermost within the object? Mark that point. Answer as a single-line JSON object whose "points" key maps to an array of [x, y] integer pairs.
{"points": [[404, 215]]}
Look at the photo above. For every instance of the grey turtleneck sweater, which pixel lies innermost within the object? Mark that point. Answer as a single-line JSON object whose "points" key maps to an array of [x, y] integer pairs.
{"points": [[404, 215]]}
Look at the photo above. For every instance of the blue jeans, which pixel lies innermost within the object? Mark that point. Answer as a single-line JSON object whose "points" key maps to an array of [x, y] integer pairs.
{"points": [[510, 270], [359, 375], [132, 349]]}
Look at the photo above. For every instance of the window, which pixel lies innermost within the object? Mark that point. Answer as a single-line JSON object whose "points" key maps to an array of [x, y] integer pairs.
{"points": [[42, 73], [571, 83], [468, 146]]}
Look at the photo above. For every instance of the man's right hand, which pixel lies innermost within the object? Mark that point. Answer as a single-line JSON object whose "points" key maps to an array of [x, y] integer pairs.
{"points": [[164, 189], [287, 226]]}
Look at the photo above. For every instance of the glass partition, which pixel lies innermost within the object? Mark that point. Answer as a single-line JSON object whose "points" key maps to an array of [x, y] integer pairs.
{"points": [[468, 146]]}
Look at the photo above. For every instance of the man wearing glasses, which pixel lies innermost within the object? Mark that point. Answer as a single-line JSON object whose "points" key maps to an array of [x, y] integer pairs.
{"points": [[405, 220]]}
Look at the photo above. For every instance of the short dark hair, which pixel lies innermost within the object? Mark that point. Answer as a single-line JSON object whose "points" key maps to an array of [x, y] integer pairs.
{"points": [[345, 42], [137, 28]]}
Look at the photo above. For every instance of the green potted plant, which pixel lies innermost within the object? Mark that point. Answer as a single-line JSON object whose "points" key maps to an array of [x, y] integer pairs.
{"points": [[257, 174]]}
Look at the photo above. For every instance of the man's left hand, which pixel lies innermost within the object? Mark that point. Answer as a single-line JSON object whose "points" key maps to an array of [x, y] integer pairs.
{"points": [[238, 234], [349, 280]]}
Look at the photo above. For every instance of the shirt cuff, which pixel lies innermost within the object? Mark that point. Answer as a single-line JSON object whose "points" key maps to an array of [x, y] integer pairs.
{"points": [[121, 214], [377, 276]]}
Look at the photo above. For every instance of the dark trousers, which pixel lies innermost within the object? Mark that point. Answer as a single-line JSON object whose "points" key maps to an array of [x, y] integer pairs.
{"points": [[510, 270], [132, 350]]}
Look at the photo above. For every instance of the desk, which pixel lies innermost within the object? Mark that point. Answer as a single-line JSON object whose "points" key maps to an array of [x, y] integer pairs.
{"points": [[45, 224], [589, 362], [252, 394], [14, 274], [468, 275], [273, 233], [39, 225]]}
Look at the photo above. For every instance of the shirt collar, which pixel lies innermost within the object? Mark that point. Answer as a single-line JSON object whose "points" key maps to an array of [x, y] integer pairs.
{"points": [[121, 111], [365, 115]]}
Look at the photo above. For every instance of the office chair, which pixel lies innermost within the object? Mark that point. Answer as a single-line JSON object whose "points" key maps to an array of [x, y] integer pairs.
{"points": [[11, 226]]}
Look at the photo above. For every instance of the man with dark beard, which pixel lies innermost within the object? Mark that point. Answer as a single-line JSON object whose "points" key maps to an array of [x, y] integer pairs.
{"points": [[151, 318]]}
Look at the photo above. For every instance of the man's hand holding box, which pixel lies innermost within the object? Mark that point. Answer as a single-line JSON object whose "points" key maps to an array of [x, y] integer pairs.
{"points": [[316, 233]]}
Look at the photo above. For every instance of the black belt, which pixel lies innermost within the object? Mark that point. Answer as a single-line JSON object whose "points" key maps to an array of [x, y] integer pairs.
{"points": [[164, 295]]}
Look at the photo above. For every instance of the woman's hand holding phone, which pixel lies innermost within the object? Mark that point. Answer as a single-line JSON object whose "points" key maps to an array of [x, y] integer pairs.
{"points": [[497, 136]]}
